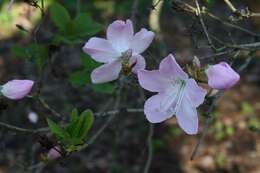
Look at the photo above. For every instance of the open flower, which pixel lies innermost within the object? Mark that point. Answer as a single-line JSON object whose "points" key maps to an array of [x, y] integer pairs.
{"points": [[177, 95], [121, 49], [16, 89], [221, 76]]}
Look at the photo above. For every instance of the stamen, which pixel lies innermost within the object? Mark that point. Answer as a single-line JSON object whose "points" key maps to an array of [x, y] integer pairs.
{"points": [[177, 93], [125, 61]]}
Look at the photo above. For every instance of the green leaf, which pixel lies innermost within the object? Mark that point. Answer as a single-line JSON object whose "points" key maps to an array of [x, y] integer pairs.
{"points": [[74, 118], [74, 115], [107, 88], [79, 78], [59, 16], [88, 62], [57, 131], [86, 120], [83, 26], [35, 53], [79, 126]]}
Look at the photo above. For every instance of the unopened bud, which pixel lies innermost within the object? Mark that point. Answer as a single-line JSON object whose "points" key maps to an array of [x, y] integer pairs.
{"points": [[196, 62]]}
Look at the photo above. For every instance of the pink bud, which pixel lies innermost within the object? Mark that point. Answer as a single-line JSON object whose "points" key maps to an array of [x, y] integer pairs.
{"points": [[54, 153], [33, 117], [222, 76], [16, 89]]}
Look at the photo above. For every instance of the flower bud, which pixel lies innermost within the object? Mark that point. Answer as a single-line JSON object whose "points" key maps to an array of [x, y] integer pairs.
{"points": [[221, 76], [33, 117], [54, 153], [16, 89], [196, 62]]}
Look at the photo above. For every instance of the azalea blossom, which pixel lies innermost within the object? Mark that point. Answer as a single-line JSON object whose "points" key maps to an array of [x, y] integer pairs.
{"points": [[221, 76], [121, 49], [177, 95], [16, 89]]}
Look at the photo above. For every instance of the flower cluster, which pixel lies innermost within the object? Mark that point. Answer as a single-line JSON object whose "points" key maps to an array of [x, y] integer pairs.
{"points": [[177, 93]]}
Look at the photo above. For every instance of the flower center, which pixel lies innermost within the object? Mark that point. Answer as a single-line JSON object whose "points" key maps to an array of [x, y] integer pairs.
{"points": [[126, 66], [174, 98]]}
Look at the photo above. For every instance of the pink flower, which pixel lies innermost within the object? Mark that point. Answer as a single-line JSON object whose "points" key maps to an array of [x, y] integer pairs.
{"points": [[121, 49], [222, 76], [54, 153], [177, 95], [16, 89]]}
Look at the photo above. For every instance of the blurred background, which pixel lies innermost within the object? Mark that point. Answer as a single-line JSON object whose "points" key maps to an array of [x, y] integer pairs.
{"points": [[34, 46]]}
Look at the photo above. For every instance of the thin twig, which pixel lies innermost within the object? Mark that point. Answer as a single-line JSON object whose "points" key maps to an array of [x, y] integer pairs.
{"points": [[231, 6], [150, 148], [109, 120], [46, 106], [206, 124], [204, 26], [23, 130]]}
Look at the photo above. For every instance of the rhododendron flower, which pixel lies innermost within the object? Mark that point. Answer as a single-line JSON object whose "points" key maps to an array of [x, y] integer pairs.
{"points": [[54, 153], [121, 49], [16, 89], [177, 95], [221, 76]]}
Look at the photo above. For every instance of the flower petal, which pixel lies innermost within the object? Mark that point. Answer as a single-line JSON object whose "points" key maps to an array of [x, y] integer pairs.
{"points": [[152, 80], [187, 117], [139, 62], [194, 93], [152, 109], [17, 89], [171, 69], [142, 40], [107, 72], [120, 33], [101, 50]]}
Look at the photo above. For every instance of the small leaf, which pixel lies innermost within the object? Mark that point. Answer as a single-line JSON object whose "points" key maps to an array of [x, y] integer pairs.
{"points": [[57, 131], [74, 118], [87, 119], [74, 115], [59, 16]]}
